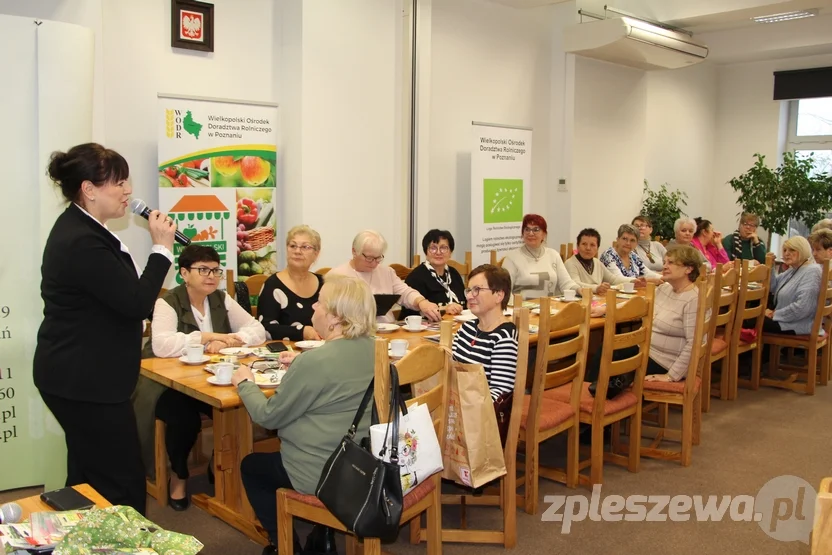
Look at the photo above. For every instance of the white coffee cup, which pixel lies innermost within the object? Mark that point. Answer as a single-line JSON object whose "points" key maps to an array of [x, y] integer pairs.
{"points": [[223, 372], [569, 295], [398, 347], [413, 322], [194, 352], [628, 287]]}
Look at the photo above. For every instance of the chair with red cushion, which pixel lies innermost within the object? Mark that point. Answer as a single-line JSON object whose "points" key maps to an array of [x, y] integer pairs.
{"points": [[558, 364], [423, 362], [723, 320], [600, 412], [685, 393], [751, 307]]}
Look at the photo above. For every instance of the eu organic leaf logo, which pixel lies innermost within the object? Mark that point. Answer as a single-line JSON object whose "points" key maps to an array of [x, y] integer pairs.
{"points": [[502, 200]]}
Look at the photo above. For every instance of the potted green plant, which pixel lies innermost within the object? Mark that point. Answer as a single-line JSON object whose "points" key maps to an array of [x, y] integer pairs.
{"points": [[792, 191], [663, 207]]}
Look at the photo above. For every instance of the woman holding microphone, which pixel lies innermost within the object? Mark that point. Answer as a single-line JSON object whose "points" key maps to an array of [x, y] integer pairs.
{"points": [[95, 301]]}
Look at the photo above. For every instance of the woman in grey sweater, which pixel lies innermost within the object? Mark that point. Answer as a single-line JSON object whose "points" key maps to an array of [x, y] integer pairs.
{"points": [[795, 291], [315, 403]]}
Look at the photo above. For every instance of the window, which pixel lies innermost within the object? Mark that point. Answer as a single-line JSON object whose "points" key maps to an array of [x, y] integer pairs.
{"points": [[814, 117]]}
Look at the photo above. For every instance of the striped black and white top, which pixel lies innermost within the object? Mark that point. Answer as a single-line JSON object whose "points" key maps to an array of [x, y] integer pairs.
{"points": [[496, 350]]}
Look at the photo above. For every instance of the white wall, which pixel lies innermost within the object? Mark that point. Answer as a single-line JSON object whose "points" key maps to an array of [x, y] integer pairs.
{"points": [[489, 63], [748, 121], [609, 147], [680, 133]]}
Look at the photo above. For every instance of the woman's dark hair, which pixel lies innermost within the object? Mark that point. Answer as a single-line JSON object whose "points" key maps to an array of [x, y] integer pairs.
{"points": [[701, 225], [589, 232], [436, 235], [533, 219], [192, 254], [498, 280], [87, 162]]}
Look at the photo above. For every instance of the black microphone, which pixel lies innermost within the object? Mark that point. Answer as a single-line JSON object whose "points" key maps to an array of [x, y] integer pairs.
{"points": [[139, 207]]}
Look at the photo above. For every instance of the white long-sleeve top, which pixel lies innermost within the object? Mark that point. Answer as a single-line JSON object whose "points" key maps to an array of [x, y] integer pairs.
{"points": [[167, 342], [599, 275], [544, 277], [674, 323]]}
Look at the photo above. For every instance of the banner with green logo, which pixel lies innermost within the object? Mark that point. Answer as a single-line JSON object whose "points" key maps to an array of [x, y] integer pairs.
{"points": [[501, 169], [217, 179]]}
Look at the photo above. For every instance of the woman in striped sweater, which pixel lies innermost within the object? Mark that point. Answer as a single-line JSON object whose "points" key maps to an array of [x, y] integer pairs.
{"points": [[490, 339]]}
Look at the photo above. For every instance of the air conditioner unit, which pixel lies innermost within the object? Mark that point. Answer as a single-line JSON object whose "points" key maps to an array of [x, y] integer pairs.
{"points": [[634, 43]]}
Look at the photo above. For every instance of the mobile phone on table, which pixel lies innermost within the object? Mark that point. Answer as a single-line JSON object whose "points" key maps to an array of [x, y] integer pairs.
{"points": [[276, 347], [66, 499]]}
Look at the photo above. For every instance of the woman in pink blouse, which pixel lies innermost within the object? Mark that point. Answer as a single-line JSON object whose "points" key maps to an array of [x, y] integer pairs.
{"points": [[709, 243], [368, 249]]}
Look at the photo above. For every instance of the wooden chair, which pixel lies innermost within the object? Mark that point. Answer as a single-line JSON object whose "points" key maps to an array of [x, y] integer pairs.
{"points": [[600, 412], [822, 529], [685, 393], [255, 287], [322, 271], [567, 251], [494, 261], [811, 343], [401, 271], [421, 363], [463, 269], [158, 489], [417, 259], [504, 495], [720, 332], [229, 284], [751, 305], [558, 364]]}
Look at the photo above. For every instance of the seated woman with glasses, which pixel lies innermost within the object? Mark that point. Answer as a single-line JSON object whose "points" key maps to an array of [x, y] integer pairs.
{"points": [[434, 279], [368, 250], [744, 243], [285, 304], [490, 339], [587, 270], [622, 259], [194, 312], [651, 252], [536, 270], [794, 292]]}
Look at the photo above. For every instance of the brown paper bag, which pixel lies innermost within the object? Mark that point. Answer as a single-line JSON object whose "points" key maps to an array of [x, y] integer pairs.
{"points": [[473, 454]]}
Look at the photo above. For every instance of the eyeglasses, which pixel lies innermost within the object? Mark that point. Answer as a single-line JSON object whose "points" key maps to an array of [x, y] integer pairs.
{"points": [[205, 271], [750, 225], [532, 230], [475, 291], [643, 226], [444, 249], [306, 248], [372, 259]]}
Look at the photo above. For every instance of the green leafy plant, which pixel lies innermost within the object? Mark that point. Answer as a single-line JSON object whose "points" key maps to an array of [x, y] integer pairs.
{"points": [[663, 207], [791, 191]]}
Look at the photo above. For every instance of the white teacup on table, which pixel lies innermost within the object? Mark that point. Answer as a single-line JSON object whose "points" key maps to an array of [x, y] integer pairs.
{"points": [[194, 352], [628, 287], [569, 295], [398, 347], [223, 372], [413, 323]]}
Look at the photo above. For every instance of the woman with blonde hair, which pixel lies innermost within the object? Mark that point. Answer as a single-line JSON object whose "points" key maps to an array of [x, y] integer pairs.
{"points": [[314, 404], [285, 304], [794, 292]]}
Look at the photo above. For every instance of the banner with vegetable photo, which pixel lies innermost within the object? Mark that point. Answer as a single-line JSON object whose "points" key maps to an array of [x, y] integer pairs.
{"points": [[217, 178]]}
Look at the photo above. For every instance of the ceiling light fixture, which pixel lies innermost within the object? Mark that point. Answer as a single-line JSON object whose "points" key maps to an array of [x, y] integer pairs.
{"points": [[785, 16]]}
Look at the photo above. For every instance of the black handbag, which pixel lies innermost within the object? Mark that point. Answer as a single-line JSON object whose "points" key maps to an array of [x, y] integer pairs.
{"points": [[365, 493]]}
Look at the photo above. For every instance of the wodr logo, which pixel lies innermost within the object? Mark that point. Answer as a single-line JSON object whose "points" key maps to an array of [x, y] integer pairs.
{"points": [[176, 123], [502, 200]]}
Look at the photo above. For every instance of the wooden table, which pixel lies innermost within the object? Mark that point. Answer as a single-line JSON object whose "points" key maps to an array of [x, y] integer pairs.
{"points": [[35, 505], [233, 438]]}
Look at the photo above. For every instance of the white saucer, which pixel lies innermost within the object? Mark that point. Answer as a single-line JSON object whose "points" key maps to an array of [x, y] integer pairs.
{"points": [[308, 344], [533, 328], [263, 381], [213, 381], [464, 317], [423, 327], [237, 351], [184, 360], [386, 328], [391, 355]]}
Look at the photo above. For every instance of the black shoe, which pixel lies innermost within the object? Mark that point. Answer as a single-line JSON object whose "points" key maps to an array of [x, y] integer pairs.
{"points": [[321, 540], [178, 504]]}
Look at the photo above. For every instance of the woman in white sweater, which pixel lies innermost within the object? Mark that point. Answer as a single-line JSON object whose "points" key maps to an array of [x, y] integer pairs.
{"points": [[536, 270], [587, 271]]}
